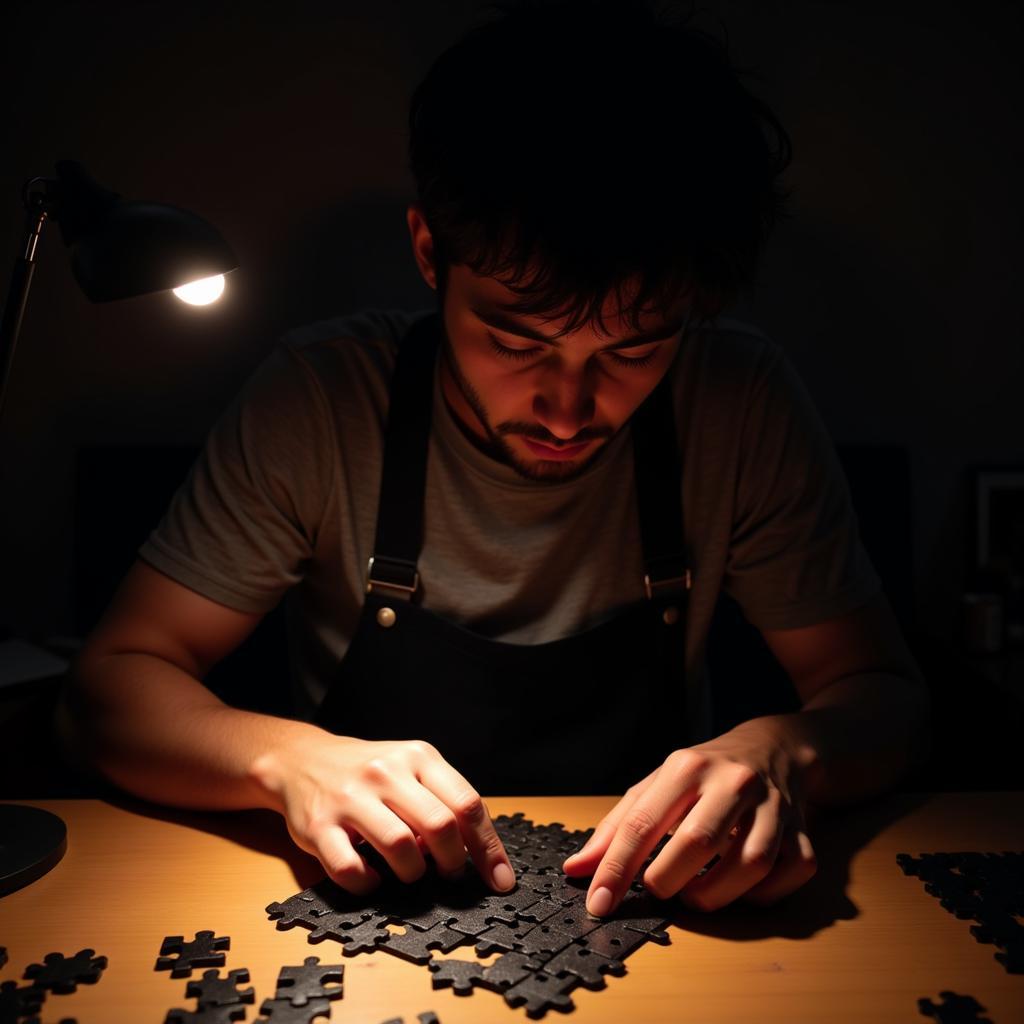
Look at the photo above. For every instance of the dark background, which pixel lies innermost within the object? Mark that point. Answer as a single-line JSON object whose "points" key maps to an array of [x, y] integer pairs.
{"points": [[895, 287]]}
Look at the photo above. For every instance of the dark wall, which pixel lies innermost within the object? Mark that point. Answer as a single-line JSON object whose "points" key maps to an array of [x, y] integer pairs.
{"points": [[894, 286]]}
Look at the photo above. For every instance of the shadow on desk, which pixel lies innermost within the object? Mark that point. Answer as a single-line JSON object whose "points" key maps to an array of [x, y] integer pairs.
{"points": [[837, 835]]}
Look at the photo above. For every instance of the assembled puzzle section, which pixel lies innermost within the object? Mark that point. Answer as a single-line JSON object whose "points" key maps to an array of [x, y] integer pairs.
{"points": [[548, 943], [985, 887]]}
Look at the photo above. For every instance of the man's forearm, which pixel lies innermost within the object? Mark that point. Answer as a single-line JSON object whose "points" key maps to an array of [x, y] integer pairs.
{"points": [[158, 733], [856, 738]]}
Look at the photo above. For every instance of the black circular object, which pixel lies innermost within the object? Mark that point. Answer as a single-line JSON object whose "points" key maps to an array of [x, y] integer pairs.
{"points": [[31, 842]]}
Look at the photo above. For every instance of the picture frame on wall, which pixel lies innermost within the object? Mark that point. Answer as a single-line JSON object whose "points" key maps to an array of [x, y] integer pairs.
{"points": [[999, 519]]}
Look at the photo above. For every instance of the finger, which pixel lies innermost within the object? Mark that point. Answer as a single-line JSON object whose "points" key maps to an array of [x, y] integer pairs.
{"points": [[434, 823], [334, 849], [748, 859], [474, 822], [639, 830], [705, 829], [587, 857], [795, 866], [387, 833]]}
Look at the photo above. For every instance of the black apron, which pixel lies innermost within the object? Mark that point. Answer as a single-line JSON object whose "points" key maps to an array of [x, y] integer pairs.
{"points": [[591, 713]]}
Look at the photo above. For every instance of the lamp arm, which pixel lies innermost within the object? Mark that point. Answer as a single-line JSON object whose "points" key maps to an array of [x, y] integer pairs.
{"points": [[38, 208]]}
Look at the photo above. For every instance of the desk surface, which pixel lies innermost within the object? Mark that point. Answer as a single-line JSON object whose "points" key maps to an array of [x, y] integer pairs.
{"points": [[860, 942]]}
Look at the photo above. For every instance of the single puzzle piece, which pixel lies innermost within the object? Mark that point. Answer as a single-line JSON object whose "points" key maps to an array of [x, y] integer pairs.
{"points": [[507, 970], [427, 1017], [499, 938], [301, 984], [461, 975], [415, 946], [205, 950], [207, 1015], [545, 938], [281, 1011], [62, 974], [614, 940], [213, 990], [590, 967], [954, 1009], [3, 955], [540, 992], [16, 1003]]}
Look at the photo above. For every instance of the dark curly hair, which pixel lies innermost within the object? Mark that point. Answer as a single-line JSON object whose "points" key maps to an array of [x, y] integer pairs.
{"points": [[574, 149]]}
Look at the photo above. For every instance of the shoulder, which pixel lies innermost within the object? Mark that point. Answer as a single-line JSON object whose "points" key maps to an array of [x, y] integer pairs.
{"points": [[348, 360], [723, 363]]}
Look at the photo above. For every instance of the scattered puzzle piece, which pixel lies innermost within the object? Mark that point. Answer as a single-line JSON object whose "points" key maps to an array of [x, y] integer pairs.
{"points": [[206, 1015], [461, 975], [539, 992], [281, 1011], [310, 981], [62, 974], [213, 990], [205, 950], [16, 1003], [953, 1009]]}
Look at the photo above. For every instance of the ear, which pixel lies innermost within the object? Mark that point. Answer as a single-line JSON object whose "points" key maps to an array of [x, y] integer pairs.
{"points": [[422, 243]]}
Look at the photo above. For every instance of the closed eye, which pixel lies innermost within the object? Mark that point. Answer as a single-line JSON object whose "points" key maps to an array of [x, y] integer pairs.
{"points": [[640, 355]]}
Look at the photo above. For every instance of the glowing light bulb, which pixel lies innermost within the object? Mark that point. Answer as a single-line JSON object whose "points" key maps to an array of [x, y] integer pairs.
{"points": [[202, 292]]}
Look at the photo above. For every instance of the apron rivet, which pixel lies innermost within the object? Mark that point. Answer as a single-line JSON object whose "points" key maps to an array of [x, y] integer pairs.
{"points": [[386, 617], [670, 616]]}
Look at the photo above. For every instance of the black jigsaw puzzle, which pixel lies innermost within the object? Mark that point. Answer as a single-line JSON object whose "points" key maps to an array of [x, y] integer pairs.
{"points": [[205, 950], [213, 990], [63, 974], [547, 942], [427, 1017], [985, 887], [313, 980], [954, 1009]]}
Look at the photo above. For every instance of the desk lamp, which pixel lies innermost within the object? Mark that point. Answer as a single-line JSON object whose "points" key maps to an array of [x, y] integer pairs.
{"points": [[119, 249]]}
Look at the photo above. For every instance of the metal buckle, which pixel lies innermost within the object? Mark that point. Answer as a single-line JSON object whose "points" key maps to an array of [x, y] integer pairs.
{"points": [[650, 587], [403, 589]]}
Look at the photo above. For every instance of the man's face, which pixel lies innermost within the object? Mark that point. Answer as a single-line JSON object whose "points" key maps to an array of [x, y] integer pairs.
{"points": [[545, 405]]}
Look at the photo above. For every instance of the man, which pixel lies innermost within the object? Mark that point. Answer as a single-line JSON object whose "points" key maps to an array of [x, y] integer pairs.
{"points": [[554, 474]]}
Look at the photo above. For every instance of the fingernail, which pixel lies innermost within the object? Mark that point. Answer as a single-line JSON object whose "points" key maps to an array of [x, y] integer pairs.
{"points": [[600, 902], [504, 877]]}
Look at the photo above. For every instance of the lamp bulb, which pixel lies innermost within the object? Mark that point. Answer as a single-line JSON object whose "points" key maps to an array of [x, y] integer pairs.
{"points": [[202, 292]]}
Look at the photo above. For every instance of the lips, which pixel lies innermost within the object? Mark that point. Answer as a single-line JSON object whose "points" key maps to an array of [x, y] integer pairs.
{"points": [[555, 454]]}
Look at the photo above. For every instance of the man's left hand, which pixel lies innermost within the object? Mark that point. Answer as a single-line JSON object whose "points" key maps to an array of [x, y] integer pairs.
{"points": [[738, 795]]}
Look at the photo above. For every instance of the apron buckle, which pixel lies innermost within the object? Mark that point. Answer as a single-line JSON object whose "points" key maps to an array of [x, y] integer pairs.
{"points": [[672, 583], [392, 574]]}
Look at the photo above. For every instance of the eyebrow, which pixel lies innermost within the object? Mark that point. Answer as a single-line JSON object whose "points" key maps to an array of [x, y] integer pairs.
{"points": [[500, 322]]}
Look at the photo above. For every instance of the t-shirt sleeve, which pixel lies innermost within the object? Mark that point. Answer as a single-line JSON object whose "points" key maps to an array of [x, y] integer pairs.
{"points": [[245, 521], [795, 557]]}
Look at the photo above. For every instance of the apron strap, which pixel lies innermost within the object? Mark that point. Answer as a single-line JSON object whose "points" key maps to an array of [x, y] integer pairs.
{"points": [[399, 537], [396, 547], [658, 470]]}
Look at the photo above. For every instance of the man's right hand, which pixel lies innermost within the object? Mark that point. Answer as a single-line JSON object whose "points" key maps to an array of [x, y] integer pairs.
{"points": [[401, 796]]}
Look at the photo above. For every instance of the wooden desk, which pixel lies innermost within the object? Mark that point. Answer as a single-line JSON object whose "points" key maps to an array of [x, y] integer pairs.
{"points": [[860, 943]]}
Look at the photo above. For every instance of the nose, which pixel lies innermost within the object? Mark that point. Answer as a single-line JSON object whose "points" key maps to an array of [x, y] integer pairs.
{"points": [[564, 402]]}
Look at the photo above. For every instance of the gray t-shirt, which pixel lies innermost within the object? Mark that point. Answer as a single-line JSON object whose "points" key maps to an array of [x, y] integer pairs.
{"points": [[284, 498]]}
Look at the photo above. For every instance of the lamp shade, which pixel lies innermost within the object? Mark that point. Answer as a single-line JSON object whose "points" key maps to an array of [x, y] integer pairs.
{"points": [[122, 249]]}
